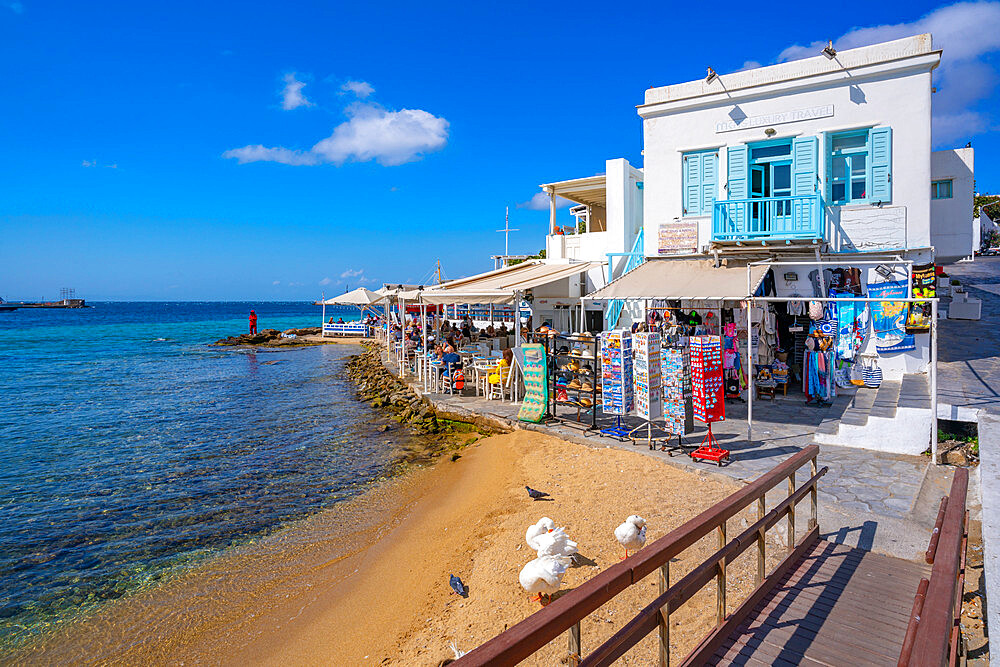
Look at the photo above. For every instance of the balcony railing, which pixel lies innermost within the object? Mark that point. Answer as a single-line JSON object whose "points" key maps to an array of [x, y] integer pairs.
{"points": [[768, 219], [632, 260]]}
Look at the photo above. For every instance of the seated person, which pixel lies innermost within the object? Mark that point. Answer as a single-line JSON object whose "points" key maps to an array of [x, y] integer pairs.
{"points": [[445, 327], [490, 331], [466, 330], [497, 372], [503, 329], [451, 359]]}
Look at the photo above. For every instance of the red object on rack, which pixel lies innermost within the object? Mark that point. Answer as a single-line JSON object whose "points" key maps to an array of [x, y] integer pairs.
{"points": [[710, 451]]}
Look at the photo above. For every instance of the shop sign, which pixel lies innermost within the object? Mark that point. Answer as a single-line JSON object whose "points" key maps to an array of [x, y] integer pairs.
{"points": [[738, 121], [679, 237]]}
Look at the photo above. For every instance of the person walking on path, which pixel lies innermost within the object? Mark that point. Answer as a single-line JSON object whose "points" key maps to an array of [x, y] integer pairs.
{"points": [[253, 321]]}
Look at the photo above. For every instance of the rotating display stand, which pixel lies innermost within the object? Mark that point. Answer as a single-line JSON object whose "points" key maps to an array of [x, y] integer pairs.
{"points": [[616, 380]]}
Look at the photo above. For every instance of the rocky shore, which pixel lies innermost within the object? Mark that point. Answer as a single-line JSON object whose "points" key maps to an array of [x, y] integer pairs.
{"points": [[381, 389], [275, 338]]}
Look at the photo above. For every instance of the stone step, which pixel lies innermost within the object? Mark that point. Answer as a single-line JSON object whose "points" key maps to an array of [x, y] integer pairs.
{"points": [[914, 392], [886, 400], [841, 405]]}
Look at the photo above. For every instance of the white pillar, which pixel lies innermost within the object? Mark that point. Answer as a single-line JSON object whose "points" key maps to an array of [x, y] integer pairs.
{"points": [[388, 349], [552, 212], [517, 318], [933, 378], [322, 298]]}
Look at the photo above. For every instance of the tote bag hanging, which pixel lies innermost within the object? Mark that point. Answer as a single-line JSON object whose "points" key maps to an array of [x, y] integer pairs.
{"points": [[872, 375]]}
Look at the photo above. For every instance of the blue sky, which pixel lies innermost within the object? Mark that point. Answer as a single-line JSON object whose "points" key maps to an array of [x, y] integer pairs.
{"points": [[270, 151]]}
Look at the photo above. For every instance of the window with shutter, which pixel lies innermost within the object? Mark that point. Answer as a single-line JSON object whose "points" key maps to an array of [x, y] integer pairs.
{"points": [[701, 182], [880, 174]]}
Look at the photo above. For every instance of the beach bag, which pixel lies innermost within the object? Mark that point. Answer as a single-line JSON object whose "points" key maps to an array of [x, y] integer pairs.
{"points": [[842, 376], [458, 382], [816, 310], [872, 374]]}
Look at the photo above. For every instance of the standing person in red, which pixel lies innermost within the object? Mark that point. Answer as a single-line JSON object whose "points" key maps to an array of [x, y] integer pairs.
{"points": [[253, 321]]}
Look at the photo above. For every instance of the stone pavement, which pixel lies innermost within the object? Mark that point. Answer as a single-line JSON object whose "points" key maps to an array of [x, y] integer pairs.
{"points": [[881, 502], [969, 351]]}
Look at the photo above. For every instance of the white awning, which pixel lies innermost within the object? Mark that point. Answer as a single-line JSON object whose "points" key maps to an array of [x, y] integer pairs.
{"points": [[684, 279], [500, 285], [356, 297]]}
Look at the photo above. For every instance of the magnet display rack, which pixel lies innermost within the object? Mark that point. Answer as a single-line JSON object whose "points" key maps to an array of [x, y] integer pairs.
{"points": [[570, 356], [707, 390]]}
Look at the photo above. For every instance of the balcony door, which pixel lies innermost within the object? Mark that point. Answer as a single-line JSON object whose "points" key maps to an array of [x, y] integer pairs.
{"points": [[771, 182]]}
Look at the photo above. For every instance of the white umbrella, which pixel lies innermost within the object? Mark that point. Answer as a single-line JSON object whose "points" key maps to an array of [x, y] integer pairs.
{"points": [[356, 297]]}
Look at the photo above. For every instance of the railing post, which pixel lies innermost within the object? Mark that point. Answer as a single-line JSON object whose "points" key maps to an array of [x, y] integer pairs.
{"points": [[721, 591], [813, 517], [761, 543], [665, 617], [791, 513], [575, 652]]}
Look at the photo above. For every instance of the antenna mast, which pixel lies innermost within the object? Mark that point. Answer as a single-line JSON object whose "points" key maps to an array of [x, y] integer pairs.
{"points": [[506, 230]]}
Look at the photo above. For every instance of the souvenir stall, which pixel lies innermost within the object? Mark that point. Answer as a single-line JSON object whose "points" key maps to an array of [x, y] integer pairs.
{"points": [[851, 318], [694, 309]]}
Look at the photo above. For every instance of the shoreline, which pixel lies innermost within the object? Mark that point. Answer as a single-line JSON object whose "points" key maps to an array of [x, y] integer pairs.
{"points": [[369, 577]]}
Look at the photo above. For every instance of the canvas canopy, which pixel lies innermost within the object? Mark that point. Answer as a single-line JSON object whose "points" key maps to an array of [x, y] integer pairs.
{"points": [[683, 279], [500, 285], [356, 297]]}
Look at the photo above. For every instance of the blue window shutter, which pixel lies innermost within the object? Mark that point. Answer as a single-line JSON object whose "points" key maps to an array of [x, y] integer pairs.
{"points": [[709, 181], [736, 171], [692, 184], [880, 171], [805, 165]]}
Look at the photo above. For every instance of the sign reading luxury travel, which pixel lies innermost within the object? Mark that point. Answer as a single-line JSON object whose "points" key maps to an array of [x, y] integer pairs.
{"points": [[739, 121]]}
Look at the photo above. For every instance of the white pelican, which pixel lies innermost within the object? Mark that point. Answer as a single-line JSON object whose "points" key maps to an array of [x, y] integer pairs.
{"points": [[543, 576], [632, 533]]}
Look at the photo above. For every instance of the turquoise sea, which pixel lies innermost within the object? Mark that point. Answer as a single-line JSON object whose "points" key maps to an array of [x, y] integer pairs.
{"points": [[130, 448]]}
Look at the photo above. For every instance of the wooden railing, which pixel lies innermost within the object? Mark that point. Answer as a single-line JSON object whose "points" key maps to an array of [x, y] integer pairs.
{"points": [[933, 635], [565, 613]]}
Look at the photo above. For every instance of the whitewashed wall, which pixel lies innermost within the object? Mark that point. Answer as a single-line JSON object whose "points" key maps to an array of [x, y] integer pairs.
{"points": [[888, 85], [952, 234]]}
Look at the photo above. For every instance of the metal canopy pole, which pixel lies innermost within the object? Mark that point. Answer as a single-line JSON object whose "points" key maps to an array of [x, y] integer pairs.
{"points": [[933, 374], [322, 298], [749, 372], [423, 333]]}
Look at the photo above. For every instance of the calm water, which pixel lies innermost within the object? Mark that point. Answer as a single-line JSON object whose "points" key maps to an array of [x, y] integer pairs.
{"points": [[129, 448]]}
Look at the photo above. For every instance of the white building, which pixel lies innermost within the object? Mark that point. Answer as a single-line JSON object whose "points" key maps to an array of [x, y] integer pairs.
{"points": [[952, 189], [826, 160]]}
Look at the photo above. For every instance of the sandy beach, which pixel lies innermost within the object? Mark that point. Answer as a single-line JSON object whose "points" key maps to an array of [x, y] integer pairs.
{"points": [[367, 582]]}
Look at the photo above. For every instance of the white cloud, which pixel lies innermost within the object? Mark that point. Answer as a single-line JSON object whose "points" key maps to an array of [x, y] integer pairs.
{"points": [[291, 96], [360, 88], [259, 153], [750, 64], [276, 282], [540, 202], [325, 282], [15, 7], [352, 273], [370, 133], [89, 163], [966, 31]]}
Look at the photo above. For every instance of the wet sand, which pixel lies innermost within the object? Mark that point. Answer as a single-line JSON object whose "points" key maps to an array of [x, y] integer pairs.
{"points": [[367, 582]]}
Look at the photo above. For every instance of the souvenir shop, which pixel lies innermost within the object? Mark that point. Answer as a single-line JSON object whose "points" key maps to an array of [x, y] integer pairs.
{"points": [[736, 333]]}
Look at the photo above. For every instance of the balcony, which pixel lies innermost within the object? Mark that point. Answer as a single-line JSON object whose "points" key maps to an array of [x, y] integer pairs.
{"points": [[768, 220]]}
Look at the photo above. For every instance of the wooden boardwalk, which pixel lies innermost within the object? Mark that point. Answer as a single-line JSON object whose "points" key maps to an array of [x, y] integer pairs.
{"points": [[839, 606], [822, 604]]}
